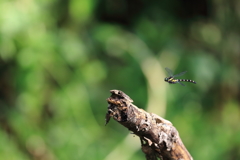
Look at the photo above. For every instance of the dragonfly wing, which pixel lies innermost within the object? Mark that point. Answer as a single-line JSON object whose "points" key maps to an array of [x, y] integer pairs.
{"points": [[180, 74], [181, 83], [169, 71]]}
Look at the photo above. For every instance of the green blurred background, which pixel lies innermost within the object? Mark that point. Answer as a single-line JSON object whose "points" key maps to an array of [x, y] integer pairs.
{"points": [[59, 59]]}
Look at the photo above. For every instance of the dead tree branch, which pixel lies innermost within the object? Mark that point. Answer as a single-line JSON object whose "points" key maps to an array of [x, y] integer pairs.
{"points": [[159, 138]]}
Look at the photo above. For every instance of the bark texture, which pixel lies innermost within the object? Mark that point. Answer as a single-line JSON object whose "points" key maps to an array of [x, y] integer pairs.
{"points": [[159, 138]]}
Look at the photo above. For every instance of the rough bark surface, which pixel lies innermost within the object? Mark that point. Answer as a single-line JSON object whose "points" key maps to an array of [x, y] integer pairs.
{"points": [[159, 138]]}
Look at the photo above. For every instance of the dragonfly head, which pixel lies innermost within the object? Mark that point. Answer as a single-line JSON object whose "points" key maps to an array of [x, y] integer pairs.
{"points": [[166, 79]]}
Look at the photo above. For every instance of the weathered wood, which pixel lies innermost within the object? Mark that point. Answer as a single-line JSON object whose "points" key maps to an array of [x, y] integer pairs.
{"points": [[159, 138]]}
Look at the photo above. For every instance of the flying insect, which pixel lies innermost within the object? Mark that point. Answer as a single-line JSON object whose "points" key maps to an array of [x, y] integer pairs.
{"points": [[171, 79]]}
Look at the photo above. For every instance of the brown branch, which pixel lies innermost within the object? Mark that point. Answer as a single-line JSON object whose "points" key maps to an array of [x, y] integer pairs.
{"points": [[159, 138]]}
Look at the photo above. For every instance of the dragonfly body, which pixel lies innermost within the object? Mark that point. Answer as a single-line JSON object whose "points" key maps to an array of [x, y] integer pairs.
{"points": [[172, 79]]}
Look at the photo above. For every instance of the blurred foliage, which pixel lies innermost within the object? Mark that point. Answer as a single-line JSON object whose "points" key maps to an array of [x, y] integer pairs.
{"points": [[59, 59]]}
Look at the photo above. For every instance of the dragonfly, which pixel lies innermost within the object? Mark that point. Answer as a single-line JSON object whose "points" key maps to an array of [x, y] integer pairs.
{"points": [[171, 79]]}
